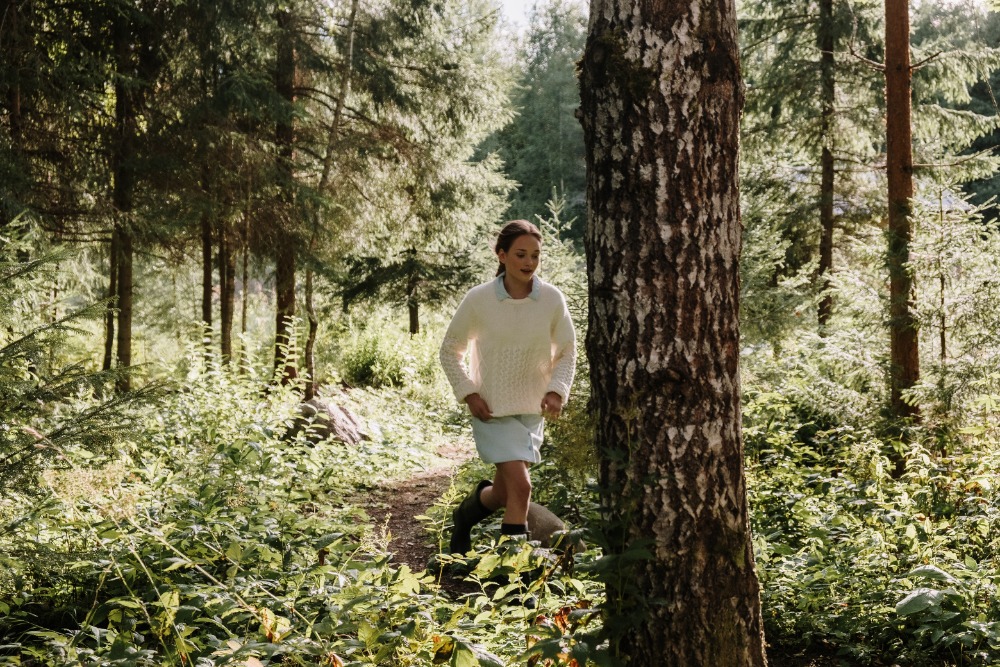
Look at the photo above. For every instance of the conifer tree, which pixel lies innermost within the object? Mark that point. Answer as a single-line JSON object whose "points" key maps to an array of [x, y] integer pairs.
{"points": [[428, 200], [904, 356], [542, 148], [45, 421]]}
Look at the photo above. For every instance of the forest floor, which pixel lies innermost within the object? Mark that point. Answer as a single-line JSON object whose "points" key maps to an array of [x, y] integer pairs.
{"points": [[395, 505]]}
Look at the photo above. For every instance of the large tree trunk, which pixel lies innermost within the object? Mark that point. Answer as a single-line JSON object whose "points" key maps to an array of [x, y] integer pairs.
{"points": [[661, 99], [828, 94], [904, 362]]}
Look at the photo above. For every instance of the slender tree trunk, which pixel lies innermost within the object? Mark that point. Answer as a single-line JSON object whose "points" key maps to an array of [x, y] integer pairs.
{"points": [[206, 279], [412, 304], [414, 310], [245, 296], [12, 43], [125, 290], [904, 362], [109, 316], [661, 98], [310, 349], [227, 279], [285, 323], [828, 93], [324, 182], [244, 302], [286, 242], [124, 184], [942, 284]]}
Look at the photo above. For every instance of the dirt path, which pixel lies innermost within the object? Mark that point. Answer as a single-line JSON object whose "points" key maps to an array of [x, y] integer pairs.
{"points": [[400, 501]]}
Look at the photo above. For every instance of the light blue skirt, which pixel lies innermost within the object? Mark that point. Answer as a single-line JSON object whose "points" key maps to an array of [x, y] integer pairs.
{"points": [[513, 438]]}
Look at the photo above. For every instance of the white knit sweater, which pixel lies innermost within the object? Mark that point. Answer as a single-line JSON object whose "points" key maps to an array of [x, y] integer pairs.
{"points": [[518, 349]]}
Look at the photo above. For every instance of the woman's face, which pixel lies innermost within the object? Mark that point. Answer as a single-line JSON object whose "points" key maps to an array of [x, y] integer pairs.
{"points": [[521, 261]]}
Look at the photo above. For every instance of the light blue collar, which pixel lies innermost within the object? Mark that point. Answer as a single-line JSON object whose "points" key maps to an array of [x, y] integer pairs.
{"points": [[502, 291]]}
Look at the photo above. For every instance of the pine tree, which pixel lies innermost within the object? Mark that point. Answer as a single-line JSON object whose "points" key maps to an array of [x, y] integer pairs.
{"points": [[542, 148], [48, 410], [427, 200]]}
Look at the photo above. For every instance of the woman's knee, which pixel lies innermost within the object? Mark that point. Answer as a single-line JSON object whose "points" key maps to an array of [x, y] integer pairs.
{"points": [[518, 482]]}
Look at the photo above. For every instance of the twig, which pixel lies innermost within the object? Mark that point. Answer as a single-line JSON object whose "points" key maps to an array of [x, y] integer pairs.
{"points": [[916, 66]]}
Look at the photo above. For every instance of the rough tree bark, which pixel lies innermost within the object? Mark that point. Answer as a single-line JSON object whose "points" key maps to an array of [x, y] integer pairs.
{"points": [[661, 98], [828, 93], [904, 360]]}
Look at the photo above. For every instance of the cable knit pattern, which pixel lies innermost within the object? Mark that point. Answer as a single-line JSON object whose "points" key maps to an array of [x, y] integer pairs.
{"points": [[518, 349]]}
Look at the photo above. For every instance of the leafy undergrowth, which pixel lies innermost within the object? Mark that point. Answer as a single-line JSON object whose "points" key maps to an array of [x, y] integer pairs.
{"points": [[873, 569], [210, 540]]}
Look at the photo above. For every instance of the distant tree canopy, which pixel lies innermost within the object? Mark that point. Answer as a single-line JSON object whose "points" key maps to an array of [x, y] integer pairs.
{"points": [[542, 148], [295, 133]]}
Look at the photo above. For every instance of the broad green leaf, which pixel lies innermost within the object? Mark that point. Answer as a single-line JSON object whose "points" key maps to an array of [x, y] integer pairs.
{"points": [[176, 564], [234, 552], [918, 600], [931, 572], [327, 540]]}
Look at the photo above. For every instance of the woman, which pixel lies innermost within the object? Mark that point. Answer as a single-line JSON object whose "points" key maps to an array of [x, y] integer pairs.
{"points": [[521, 358]]}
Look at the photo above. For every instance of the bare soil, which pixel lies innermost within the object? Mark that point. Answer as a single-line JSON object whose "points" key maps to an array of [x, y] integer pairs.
{"points": [[397, 503]]}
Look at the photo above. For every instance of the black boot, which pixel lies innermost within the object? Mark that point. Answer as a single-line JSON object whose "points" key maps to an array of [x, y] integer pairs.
{"points": [[470, 512]]}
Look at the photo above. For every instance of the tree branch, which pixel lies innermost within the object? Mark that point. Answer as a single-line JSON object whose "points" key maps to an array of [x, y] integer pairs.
{"points": [[916, 66]]}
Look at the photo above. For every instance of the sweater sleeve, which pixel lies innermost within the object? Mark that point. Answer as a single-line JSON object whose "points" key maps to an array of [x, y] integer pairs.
{"points": [[564, 353], [453, 347]]}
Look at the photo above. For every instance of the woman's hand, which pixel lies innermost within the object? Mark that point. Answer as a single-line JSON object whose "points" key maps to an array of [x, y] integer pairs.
{"points": [[478, 407], [552, 405]]}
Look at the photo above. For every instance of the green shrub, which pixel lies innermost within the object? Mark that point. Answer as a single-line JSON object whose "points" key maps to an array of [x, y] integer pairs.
{"points": [[874, 568]]}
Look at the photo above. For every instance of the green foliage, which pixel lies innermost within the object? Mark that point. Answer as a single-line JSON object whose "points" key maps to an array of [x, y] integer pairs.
{"points": [[852, 560], [215, 541], [955, 256], [411, 278], [54, 411], [376, 354], [542, 148], [415, 201], [875, 568]]}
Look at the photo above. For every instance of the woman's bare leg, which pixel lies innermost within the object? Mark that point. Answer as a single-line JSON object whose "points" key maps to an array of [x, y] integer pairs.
{"points": [[511, 490]]}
